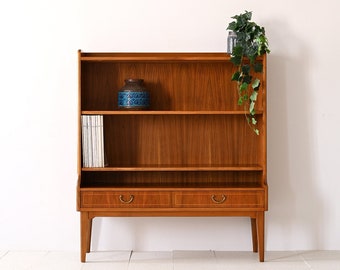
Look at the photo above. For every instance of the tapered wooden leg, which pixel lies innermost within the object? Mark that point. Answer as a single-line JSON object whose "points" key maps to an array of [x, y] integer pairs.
{"points": [[89, 235], [85, 234], [260, 234], [254, 234]]}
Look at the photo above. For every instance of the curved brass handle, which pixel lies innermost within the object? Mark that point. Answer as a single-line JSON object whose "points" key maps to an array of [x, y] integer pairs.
{"points": [[121, 198], [223, 198]]}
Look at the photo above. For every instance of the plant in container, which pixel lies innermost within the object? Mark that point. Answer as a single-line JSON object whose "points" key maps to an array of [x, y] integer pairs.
{"points": [[251, 43]]}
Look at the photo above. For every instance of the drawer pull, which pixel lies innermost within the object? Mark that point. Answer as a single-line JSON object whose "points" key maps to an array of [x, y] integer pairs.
{"points": [[223, 198], [121, 198]]}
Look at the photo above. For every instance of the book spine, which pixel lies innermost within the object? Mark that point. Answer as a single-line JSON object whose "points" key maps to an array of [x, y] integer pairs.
{"points": [[101, 140], [92, 141], [84, 135]]}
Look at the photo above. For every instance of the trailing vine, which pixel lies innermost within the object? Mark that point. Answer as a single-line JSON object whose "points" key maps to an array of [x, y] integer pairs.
{"points": [[251, 42]]}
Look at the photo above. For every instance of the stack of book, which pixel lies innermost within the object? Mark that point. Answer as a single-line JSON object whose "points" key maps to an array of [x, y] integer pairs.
{"points": [[93, 140]]}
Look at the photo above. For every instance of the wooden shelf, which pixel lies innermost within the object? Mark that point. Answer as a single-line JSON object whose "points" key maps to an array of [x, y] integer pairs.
{"points": [[173, 186], [156, 57], [166, 112], [161, 168]]}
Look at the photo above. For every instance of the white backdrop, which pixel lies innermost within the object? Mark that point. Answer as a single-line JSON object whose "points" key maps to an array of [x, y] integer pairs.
{"points": [[38, 137]]}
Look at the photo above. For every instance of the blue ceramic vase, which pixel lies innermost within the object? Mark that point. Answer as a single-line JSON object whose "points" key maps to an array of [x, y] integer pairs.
{"points": [[133, 95]]}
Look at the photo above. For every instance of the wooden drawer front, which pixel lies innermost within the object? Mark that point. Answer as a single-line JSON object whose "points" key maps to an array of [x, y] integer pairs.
{"points": [[125, 199], [227, 199]]}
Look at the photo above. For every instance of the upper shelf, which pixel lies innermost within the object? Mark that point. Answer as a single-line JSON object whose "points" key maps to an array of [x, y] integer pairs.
{"points": [[199, 83], [135, 57], [159, 56]]}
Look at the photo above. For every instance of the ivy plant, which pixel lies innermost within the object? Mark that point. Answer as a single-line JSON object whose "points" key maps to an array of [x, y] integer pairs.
{"points": [[251, 42]]}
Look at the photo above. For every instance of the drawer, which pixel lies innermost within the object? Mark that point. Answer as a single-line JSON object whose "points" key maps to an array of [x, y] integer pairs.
{"points": [[219, 198], [125, 199]]}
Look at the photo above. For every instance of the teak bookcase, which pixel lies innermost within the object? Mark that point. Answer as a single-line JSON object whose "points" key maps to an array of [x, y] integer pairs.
{"points": [[191, 153]]}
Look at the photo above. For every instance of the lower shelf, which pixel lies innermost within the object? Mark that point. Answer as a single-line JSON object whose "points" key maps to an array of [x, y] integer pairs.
{"points": [[171, 179]]}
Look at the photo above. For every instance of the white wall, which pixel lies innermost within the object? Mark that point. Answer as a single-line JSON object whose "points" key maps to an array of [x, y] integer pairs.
{"points": [[38, 82]]}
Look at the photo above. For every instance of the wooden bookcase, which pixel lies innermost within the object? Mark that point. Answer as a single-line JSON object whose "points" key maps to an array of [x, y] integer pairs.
{"points": [[191, 153]]}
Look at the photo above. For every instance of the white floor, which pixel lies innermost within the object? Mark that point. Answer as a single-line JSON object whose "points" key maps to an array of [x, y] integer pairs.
{"points": [[172, 260]]}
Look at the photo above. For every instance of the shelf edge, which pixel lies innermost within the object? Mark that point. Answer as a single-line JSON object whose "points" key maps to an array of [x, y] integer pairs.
{"points": [[193, 112], [174, 169]]}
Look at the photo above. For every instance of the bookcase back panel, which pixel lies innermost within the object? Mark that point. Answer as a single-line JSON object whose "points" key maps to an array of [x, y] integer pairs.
{"points": [[180, 140], [172, 85]]}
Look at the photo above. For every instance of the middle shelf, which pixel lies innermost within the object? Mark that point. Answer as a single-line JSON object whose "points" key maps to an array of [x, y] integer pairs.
{"points": [[133, 140], [164, 168]]}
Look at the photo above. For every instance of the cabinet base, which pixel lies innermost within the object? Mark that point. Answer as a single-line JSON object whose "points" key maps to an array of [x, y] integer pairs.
{"points": [[257, 219]]}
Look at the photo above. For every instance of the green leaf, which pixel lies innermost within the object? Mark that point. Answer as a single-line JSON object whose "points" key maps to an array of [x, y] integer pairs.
{"points": [[231, 26], [236, 76], [253, 96], [256, 84], [253, 121], [238, 51], [252, 108], [246, 69], [236, 60], [257, 132], [241, 40], [247, 79], [258, 67], [240, 101], [243, 86]]}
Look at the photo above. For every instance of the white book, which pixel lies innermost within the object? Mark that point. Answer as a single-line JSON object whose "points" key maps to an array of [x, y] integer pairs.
{"points": [[93, 140], [84, 129], [98, 141], [101, 141], [89, 142]]}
